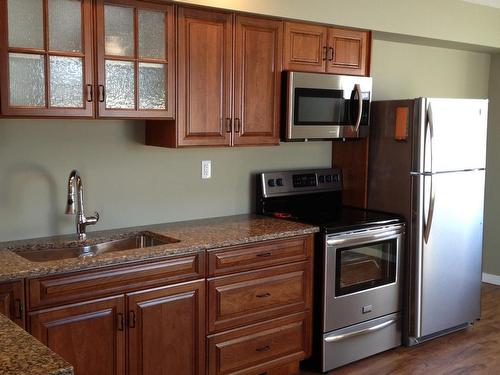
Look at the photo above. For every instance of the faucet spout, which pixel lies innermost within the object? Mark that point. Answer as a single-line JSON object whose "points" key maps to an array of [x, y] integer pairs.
{"points": [[74, 205]]}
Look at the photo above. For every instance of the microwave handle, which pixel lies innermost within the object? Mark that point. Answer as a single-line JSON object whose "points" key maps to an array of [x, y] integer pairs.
{"points": [[357, 88]]}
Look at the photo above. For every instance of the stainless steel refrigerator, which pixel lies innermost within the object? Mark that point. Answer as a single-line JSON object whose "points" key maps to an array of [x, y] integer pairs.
{"points": [[427, 163]]}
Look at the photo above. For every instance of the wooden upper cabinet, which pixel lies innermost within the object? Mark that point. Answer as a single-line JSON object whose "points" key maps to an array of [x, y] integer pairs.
{"points": [[46, 58], [135, 59], [166, 330], [257, 77], [89, 335], [348, 51], [205, 45], [305, 47], [316, 48], [12, 301]]}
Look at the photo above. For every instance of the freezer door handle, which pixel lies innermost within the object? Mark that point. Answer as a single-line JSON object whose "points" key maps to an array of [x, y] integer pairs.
{"points": [[345, 336], [357, 88]]}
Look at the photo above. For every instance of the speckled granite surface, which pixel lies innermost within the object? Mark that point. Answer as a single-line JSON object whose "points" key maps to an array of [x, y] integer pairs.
{"points": [[194, 236], [21, 353]]}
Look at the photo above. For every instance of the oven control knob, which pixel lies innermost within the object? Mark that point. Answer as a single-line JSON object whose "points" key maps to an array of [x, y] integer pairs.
{"points": [[270, 182], [321, 179], [279, 182], [329, 178]]}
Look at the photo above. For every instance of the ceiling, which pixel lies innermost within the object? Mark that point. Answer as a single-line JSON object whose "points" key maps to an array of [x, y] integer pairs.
{"points": [[490, 3]]}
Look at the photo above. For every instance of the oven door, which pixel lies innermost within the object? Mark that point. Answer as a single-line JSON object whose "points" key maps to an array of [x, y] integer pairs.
{"points": [[322, 106], [362, 275]]}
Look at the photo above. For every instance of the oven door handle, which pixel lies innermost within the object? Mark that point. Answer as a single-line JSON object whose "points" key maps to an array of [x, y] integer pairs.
{"points": [[345, 336], [357, 88], [364, 236]]}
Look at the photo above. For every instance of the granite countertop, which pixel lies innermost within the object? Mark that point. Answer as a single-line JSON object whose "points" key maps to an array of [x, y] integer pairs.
{"points": [[21, 353], [193, 236]]}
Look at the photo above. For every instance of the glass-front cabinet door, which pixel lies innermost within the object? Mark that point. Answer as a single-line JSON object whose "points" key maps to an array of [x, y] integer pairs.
{"points": [[135, 59], [46, 58]]}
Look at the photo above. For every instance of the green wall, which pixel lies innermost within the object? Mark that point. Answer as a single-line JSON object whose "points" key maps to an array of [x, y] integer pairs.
{"points": [[491, 261]]}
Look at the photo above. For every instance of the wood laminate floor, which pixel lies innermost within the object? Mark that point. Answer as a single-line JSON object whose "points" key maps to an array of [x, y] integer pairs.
{"points": [[472, 351]]}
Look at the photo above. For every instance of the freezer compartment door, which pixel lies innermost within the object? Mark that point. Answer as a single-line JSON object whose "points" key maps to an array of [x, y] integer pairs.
{"points": [[447, 267], [451, 135]]}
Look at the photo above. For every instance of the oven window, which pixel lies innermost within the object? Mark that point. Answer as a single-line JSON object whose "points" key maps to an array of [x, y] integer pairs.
{"points": [[364, 267], [328, 107]]}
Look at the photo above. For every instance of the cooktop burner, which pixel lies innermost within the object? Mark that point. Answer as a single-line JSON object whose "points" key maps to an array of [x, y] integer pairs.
{"points": [[314, 197]]}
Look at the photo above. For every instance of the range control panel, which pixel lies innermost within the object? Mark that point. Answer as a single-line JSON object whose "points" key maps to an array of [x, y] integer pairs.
{"points": [[300, 182]]}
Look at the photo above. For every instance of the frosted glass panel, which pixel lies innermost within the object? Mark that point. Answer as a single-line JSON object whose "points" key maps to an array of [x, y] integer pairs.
{"points": [[27, 80], [66, 82], [119, 30], [120, 90], [65, 25], [152, 86], [151, 34], [25, 21]]}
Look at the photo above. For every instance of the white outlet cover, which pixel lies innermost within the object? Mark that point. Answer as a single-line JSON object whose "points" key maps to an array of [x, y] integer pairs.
{"points": [[206, 169]]}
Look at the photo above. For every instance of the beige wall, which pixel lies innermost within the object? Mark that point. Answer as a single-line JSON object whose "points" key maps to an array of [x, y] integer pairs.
{"points": [[491, 261], [451, 20]]}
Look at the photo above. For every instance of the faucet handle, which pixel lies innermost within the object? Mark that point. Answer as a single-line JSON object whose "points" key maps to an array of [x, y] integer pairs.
{"points": [[92, 219]]}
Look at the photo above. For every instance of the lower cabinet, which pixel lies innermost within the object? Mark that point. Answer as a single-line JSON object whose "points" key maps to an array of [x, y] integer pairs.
{"points": [[89, 335], [156, 331], [166, 332], [12, 301]]}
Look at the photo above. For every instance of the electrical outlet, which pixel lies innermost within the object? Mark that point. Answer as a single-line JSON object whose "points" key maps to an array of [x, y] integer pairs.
{"points": [[206, 169]]}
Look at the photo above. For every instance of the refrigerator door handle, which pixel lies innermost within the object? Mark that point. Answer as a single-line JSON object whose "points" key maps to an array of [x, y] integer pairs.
{"points": [[357, 88], [432, 197], [430, 213]]}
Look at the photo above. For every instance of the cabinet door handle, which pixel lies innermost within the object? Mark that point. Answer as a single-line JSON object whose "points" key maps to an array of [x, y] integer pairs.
{"points": [[102, 93], [18, 308], [131, 319], [237, 125], [263, 349], [90, 93], [264, 255], [119, 318], [229, 124], [263, 295], [325, 53], [331, 53]]}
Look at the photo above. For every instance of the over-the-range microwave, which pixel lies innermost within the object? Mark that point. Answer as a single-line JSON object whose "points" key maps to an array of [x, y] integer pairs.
{"points": [[325, 106]]}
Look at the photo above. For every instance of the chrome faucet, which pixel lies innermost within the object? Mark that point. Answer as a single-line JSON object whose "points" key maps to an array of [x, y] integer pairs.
{"points": [[75, 187]]}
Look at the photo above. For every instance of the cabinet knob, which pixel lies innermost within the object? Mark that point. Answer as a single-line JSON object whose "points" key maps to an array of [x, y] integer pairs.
{"points": [[131, 319], [119, 320], [263, 295], [18, 308], [229, 124], [237, 125], [263, 349], [325, 53]]}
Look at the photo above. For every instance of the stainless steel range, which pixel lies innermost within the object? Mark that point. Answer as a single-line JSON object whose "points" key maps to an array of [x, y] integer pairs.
{"points": [[357, 264]]}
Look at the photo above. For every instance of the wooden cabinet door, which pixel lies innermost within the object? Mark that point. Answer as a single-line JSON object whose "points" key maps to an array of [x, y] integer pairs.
{"points": [[12, 301], [348, 52], [135, 59], [166, 333], [46, 62], [88, 335], [205, 49], [257, 77], [305, 47]]}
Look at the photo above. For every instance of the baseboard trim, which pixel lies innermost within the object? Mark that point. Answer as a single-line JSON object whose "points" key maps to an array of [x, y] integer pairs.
{"points": [[491, 279]]}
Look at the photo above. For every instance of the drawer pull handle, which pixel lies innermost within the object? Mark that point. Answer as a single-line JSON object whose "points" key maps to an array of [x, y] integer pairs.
{"points": [[264, 255], [131, 319], [265, 295], [263, 349]]}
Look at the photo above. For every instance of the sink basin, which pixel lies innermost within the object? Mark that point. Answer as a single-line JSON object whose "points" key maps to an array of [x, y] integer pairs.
{"points": [[90, 248]]}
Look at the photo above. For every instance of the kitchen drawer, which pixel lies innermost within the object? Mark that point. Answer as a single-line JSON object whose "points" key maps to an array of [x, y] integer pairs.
{"points": [[255, 256], [262, 347], [78, 286], [258, 295]]}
